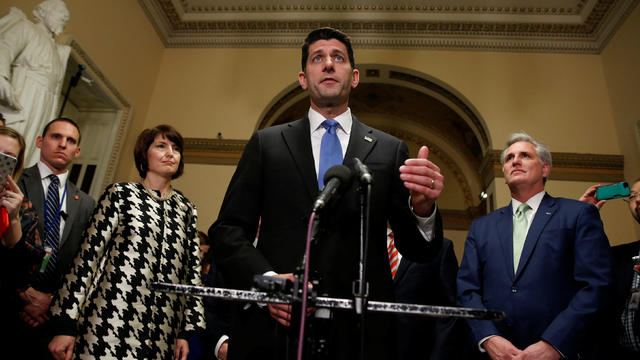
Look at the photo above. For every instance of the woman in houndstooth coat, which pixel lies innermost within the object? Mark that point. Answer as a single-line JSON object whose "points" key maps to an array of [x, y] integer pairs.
{"points": [[140, 233]]}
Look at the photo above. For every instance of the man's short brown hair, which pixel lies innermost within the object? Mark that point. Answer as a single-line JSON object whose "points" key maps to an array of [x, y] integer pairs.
{"points": [[63, 119]]}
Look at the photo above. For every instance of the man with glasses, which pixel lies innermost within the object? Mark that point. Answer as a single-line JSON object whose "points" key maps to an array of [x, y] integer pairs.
{"points": [[622, 338], [624, 321]]}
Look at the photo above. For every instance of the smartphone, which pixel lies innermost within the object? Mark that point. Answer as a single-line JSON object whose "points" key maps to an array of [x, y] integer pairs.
{"points": [[7, 164], [613, 191]]}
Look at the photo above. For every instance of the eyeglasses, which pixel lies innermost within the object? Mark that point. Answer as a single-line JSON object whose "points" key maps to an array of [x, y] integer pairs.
{"points": [[630, 198]]}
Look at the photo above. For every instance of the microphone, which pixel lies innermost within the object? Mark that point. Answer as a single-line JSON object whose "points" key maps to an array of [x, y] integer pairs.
{"points": [[336, 180], [362, 171]]}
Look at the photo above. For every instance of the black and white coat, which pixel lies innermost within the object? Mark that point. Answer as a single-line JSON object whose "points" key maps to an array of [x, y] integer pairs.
{"points": [[135, 238]]}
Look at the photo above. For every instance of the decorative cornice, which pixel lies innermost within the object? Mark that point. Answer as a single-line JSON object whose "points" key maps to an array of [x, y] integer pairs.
{"points": [[582, 28], [213, 151], [598, 168], [566, 166], [371, 6]]}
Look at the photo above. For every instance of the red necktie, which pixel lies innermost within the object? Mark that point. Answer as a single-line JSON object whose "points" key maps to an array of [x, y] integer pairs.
{"points": [[393, 255]]}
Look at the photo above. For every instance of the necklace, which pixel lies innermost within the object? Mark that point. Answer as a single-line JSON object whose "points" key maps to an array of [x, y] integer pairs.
{"points": [[153, 194]]}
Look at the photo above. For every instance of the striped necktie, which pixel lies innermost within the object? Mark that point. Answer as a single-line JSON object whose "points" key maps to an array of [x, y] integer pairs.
{"points": [[52, 222], [394, 261]]}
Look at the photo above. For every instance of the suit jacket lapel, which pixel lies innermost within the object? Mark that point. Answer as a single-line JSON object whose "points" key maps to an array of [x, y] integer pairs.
{"points": [[35, 194], [543, 215], [361, 142], [297, 138], [505, 237], [72, 210]]}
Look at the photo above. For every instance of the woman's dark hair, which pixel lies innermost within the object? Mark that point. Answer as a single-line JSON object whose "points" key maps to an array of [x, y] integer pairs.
{"points": [[15, 135], [144, 141]]}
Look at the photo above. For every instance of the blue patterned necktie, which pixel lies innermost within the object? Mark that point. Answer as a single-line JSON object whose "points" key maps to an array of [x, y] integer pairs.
{"points": [[330, 150], [520, 224], [52, 221]]}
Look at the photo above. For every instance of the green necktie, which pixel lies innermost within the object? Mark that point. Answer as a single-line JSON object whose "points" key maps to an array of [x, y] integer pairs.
{"points": [[519, 233]]}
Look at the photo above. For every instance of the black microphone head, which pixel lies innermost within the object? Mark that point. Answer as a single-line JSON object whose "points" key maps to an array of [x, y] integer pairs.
{"points": [[342, 173]]}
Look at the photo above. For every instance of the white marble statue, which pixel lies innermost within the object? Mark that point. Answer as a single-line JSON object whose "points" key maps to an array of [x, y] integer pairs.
{"points": [[32, 67]]}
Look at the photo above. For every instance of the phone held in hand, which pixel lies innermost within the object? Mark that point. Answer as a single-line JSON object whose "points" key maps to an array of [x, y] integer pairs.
{"points": [[613, 191], [7, 164]]}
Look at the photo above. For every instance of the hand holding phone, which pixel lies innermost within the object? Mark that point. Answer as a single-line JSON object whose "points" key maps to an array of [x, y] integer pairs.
{"points": [[7, 164], [613, 191]]}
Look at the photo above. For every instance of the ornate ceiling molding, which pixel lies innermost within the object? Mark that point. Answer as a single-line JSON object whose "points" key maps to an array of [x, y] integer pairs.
{"points": [[574, 26]]}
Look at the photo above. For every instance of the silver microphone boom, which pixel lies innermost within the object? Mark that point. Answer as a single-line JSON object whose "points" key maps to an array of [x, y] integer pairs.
{"points": [[331, 303]]}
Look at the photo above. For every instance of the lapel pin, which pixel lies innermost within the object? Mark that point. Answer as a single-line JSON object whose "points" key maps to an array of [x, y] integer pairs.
{"points": [[368, 139], [76, 197], [548, 213]]}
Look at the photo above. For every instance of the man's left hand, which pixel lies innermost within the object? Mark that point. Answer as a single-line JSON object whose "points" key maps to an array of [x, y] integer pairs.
{"points": [[182, 349], [589, 196], [36, 305], [424, 181], [541, 350]]}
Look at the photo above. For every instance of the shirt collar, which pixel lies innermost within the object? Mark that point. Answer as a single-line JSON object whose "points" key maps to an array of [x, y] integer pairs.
{"points": [[533, 202], [45, 171], [344, 120]]}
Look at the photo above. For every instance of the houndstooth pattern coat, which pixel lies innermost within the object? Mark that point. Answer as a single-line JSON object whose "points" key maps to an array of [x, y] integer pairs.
{"points": [[134, 238]]}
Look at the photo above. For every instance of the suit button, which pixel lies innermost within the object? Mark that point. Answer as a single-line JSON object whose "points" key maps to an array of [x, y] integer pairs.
{"points": [[514, 290]]}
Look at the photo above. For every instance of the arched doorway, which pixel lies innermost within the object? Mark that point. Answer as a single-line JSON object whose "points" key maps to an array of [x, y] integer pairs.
{"points": [[420, 110]]}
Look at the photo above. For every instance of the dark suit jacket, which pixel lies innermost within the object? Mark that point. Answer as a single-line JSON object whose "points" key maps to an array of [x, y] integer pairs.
{"points": [[79, 209], [622, 278], [277, 182], [430, 283], [561, 282], [217, 314]]}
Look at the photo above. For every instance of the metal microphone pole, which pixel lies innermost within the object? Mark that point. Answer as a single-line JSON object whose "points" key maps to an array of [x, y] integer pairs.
{"points": [[360, 286], [73, 82]]}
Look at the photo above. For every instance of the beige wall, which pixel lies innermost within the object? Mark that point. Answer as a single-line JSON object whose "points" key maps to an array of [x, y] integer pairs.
{"points": [[552, 96], [574, 103], [621, 63], [119, 38]]}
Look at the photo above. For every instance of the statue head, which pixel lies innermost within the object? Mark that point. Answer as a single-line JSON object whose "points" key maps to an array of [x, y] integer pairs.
{"points": [[53, 14]]}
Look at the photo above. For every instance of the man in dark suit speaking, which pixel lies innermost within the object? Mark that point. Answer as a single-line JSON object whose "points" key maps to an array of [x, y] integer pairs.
{"points": [[277, 180], [543, 260]]}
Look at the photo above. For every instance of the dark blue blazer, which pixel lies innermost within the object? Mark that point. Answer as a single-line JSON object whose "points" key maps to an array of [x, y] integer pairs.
{"points": [[561, 282]]}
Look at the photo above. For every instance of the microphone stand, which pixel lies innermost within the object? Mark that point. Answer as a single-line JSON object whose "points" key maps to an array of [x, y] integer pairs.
{"points": [[311, 234], [360, 286], [73, 82]]}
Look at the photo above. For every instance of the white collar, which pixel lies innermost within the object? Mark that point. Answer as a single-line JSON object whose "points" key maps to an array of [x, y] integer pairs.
{"points": [[45, 171], [344, 120], [533, 202]]}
